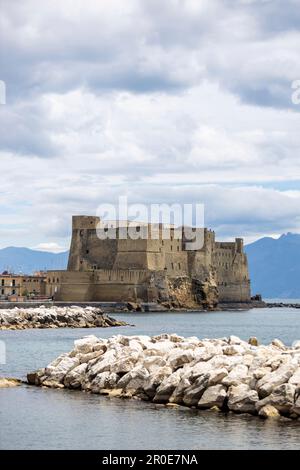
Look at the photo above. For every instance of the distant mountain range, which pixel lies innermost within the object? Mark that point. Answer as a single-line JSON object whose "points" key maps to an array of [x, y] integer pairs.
{"points": [[24, 260], [274, 264]]}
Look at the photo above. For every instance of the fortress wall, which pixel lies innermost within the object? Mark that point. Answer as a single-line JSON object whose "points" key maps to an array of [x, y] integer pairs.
{"points": [[134, 260], [100, 285], [87, 250], [129, 245], [156, 261], [232, 274], [234, 292], [132, 276], [120, 269], [84, 222], [69, 285], [200, 261], [99, 253], [176, 263], [116, 292]]}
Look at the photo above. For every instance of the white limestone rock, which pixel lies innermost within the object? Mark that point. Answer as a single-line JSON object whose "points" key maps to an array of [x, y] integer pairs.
{"points": [[242, 399], [167, 387], [217, 376], [135, 345], [234, 349], [278, 344], [125, 364], [85, 345], [281, 398], [155, 379], [75, 377], [178, 394], [105, 380], [261, 372], [268, 382], [104, 363], [152, 363], [135, 379], [213, 396], [178, 358], [84, 358], [58, 371], [295, 378], [193, 394], [239, 374], [160, 348]]}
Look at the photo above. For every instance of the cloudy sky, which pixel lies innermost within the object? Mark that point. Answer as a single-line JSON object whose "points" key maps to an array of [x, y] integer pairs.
{"points": [[163, 101]]}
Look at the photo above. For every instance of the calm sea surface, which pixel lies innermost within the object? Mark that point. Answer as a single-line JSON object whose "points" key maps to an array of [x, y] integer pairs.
{"points": [[36, 418]]}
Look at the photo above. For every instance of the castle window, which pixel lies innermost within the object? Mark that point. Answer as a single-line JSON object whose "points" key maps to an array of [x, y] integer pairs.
{"points": [[162, 242], [14, 282], [177, 248], [179, 265], [2, 282], [105, 229], [171, 247], [87, 251], [2, 291], [57, 280], [138, 229], [172, 264], [13, 292]]}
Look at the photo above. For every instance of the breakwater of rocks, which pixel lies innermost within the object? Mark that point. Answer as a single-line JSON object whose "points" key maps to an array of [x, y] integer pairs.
{"points": [[282, 305], [226, 374], [55, 317]]}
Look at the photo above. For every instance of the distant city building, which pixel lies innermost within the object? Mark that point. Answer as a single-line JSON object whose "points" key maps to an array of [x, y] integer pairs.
{"points": [[16, 287]]}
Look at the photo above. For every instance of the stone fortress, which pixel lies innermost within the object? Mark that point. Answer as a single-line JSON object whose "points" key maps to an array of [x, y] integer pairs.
{"points": [[150, 270]]}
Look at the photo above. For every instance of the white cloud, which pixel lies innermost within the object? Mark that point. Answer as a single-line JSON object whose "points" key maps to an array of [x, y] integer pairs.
{"points": [[165, 101], [51, 247]]}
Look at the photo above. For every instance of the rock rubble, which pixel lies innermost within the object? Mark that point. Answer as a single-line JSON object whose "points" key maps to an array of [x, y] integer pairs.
{"points": [[226, 374], [55, 317]]}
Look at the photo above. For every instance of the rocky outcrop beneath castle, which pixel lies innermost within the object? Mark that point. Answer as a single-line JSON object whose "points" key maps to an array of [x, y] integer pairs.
{"points": [[55, 317], [225, 374], [187, 293]]}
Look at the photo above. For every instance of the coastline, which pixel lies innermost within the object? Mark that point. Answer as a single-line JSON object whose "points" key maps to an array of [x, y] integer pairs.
{"points": [[116, 307]]}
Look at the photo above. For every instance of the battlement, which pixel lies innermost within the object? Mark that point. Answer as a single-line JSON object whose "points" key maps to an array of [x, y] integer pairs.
{"points": [[86, 222]]}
